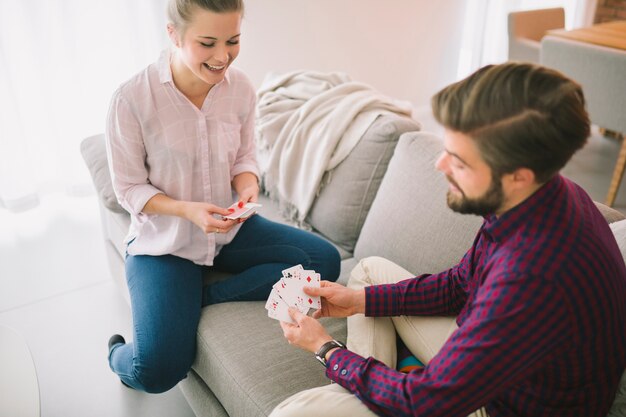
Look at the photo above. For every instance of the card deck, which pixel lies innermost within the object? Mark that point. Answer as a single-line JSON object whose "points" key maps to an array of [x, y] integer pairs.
{"points": [[247, 210]]}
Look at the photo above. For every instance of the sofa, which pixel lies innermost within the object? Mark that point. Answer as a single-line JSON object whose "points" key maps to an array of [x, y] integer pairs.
{"points": [[391, 203]]}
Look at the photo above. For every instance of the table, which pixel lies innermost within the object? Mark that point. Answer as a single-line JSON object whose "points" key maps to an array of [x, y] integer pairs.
{"points": [[19, 388], [595, 57]]}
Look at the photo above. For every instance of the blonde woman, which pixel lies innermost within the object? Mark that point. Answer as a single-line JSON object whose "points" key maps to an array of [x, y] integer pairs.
{"points": [[180, 141]]}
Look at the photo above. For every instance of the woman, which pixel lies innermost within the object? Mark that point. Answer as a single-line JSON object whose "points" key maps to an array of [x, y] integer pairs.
{"points": [[180, 141]]}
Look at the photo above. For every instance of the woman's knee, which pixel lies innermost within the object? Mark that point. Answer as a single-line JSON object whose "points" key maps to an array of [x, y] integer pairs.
{"points": [[159, 365], [329, 264], [159, 378]]}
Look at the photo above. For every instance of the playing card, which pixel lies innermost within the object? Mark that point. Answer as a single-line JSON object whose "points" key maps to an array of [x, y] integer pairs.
{"points": [[278, 309], [292, 272], [310, 278], [242, 212], [271, 299], [291, 290]]}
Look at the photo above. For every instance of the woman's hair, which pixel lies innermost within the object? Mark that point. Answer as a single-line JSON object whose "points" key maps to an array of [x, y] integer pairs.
{"points": [[180, 12], [519, 115]]}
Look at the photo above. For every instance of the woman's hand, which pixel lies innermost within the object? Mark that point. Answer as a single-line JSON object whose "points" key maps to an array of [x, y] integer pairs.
{"points": [[202, 215], [337, 300], [246, 185]]}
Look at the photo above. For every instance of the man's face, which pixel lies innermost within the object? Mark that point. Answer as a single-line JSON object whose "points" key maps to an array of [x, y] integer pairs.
{"points": [[473, 190]]}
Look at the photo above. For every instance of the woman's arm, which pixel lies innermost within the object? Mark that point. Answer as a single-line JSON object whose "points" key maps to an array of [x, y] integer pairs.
{"points": [[201, 214]]}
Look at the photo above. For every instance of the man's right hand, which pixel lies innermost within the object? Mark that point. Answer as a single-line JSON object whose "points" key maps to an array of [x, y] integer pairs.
{"points": [[337, 300]]}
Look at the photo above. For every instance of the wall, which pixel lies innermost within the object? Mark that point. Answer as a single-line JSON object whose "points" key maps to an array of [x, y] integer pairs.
{"points": [[407, 49], [609, 10]]}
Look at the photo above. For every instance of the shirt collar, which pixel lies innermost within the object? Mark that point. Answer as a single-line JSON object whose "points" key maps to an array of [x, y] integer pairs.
{"points": [[165, 71], [532, 207]]}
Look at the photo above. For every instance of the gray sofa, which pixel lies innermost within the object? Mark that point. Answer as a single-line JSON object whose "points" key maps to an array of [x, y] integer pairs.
{"points": [[396, 209]]}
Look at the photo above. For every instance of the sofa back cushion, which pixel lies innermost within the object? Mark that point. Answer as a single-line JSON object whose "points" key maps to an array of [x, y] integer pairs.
{"points": [[619, 231], [94, 153], [344, 201], [409, 222]]}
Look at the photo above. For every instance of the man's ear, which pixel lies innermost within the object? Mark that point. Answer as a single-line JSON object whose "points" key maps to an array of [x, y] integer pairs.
{"points": [[173, 34], [522, 178]]}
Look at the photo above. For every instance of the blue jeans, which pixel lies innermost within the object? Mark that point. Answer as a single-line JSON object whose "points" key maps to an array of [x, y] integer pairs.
{"points": [[167, 295]]}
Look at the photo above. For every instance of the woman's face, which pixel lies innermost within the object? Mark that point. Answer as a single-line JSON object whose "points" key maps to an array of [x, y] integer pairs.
{"points": [[210, 44]]}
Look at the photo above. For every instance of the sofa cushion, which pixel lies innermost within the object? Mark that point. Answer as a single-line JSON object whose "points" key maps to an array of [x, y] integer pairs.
{"points": [[409, 222], [619, 405], [344, 201], [246, 362], [610, 214], [619, 231], [94, 153]]}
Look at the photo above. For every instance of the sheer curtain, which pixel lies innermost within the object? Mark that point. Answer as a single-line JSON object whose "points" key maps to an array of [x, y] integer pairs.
{"points": [[60, 61], [485, 38]]}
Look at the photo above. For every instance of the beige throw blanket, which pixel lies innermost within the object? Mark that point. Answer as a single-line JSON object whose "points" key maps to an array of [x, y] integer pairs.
{"points": [[308, 122]]}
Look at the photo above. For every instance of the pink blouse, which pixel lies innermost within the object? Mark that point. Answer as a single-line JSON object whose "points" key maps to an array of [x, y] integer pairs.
{"points": [[159, 142]]}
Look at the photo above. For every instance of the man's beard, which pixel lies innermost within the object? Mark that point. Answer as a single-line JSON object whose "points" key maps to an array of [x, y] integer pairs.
{"points": [[488, 203]]}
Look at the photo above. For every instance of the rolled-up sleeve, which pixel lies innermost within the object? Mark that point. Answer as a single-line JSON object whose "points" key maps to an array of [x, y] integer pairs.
{"points": [[246, 155], [126, 155]]}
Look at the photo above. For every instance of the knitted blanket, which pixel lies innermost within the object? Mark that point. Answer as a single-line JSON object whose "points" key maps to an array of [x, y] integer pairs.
{"points": [[307, 123]]}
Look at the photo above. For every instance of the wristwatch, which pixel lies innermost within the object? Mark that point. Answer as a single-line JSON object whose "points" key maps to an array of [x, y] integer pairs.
{"points": [[320, 355]]}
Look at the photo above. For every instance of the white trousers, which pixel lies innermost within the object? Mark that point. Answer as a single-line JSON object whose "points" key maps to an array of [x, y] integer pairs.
{"points": [[376, 337]]}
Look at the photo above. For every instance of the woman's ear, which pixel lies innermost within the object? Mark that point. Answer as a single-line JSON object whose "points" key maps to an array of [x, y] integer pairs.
{"points": [[173, 34]]}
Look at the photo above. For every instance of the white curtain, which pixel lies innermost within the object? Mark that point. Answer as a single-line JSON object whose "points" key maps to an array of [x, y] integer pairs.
{"points": [[485, 38], [60, 61]]}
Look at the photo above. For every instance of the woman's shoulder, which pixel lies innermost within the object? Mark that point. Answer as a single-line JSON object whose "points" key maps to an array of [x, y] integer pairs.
{"points": [[240, 79], [137, 83]]}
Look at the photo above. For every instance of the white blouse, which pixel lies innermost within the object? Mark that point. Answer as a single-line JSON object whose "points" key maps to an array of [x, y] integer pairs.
{"points": [[159, 142]]}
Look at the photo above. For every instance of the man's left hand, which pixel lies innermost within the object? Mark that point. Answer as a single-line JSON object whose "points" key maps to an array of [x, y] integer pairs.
{"points": [[307, 333]]}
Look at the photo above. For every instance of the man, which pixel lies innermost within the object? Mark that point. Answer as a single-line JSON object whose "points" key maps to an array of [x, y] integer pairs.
{"points": [[538, 298]]}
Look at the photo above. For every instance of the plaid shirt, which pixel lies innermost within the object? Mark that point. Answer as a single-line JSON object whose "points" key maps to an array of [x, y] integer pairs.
{"points": [[540, 304]]}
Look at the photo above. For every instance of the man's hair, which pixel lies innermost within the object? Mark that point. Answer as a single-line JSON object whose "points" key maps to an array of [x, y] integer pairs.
{"points": [[519, 115], [180, 12]]}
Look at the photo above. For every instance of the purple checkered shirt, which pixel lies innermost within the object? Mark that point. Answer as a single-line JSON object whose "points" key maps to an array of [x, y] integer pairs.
{"points": [[540, 304]]}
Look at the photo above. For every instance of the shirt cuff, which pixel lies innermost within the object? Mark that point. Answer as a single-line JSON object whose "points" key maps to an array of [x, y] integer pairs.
{"points": [[341, 367], [137, 198]]}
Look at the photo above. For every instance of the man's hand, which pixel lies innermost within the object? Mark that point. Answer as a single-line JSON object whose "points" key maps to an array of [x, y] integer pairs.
{"points": [[307, 333], [337, 300]]}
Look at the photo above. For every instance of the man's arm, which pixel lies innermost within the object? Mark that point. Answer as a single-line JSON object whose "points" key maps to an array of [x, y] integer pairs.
{"points": [[444, 293], [514, 326]]}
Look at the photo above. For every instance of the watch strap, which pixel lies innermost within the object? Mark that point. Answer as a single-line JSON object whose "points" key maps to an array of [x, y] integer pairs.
{"points": [[320, 355]]}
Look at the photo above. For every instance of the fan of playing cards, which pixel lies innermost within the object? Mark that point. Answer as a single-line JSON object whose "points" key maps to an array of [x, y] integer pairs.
{"points": [[288, 292]]}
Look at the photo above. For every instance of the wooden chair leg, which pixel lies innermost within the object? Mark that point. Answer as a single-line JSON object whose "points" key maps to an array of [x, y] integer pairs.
{"points": [[618, 173]]}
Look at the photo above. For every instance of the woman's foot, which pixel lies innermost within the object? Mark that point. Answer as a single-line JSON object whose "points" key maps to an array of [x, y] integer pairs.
{"points": [[115, 340]]}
